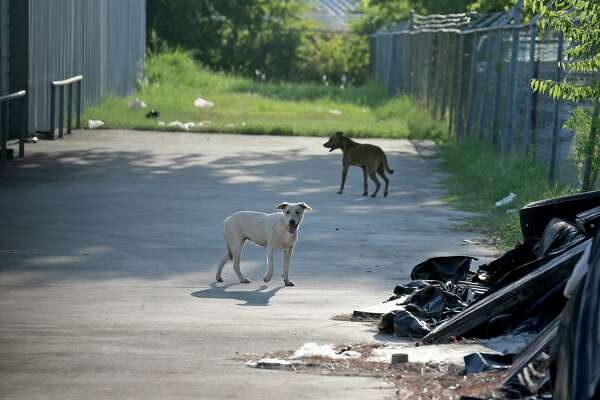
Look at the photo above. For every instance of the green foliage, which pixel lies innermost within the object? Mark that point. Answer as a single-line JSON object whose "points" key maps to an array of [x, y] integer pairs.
{"points": [[335, 59], [479, 176], [173, 81], [234, 35], [580, 122], [579, 20]]}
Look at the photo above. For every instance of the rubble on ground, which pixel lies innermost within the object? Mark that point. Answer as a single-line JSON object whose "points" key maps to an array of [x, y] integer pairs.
{"points": [[547, 287]]}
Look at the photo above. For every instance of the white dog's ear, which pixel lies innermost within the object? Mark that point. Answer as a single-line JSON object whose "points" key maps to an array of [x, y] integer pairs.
{"points": [[305, 206], [281, 206]]}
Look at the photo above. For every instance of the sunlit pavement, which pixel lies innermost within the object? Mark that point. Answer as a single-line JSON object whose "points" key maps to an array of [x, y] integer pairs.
{"points": [[108, 245]]}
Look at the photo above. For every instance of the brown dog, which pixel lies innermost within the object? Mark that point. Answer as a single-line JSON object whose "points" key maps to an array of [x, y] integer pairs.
{"points": [[370, 158]]}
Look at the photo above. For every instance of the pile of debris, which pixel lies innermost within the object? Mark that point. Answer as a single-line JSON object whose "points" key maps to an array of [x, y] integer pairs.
{"points": [[549, 284]]}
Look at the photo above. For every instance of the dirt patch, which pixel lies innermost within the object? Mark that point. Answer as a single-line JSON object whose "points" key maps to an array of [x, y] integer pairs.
{"points": [[426, 381]]}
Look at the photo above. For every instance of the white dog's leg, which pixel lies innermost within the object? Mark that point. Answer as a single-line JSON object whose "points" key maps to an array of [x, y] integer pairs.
{"points": [[237, 255], [220, 266], [269, 273], [287, 255]]}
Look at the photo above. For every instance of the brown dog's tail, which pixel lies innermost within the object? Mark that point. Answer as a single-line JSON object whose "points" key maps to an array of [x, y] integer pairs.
{"points": [[386, 165]]}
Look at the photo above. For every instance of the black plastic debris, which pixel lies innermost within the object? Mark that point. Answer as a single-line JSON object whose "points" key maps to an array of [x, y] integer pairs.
{"points": [[526, 289], [153, 114], [576, 370], [403, 323], [443, 269], [541, 344], [557, 236], [482, 362], [536, 216]]}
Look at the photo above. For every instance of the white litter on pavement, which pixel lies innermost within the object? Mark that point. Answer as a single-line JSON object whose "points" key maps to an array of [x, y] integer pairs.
{"points": [[507, 200], [325, 350], [95, 124], [203, 103], [137, 104]]}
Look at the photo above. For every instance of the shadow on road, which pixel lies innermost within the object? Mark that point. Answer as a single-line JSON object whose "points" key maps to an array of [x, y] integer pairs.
{"points": [[257, 297]]}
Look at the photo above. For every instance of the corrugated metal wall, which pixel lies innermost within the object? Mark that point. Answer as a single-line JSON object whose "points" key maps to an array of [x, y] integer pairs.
{"points": [[103, 40], [4, 40]]}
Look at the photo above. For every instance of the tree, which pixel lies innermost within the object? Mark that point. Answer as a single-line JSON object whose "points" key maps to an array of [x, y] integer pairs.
{"points": [[233, 35], [579, 22]]}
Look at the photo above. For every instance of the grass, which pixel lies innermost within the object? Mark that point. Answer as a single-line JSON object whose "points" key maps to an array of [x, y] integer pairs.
{"points": [[173, 81], [479, 176]]}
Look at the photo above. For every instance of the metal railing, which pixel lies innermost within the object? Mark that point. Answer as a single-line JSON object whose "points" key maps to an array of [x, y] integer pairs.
{"points": [[4, 125], [70, 82]]}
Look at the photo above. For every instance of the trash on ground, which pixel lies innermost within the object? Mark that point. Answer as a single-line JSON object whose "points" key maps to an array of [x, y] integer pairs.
{"points": [[546, 289], [153, 114], [186, 126], [95, 124], [335, 112], [33, 139], [136, 104], [399, 358], [271, 363], [325, 350], [482, 362], [203, 103], [506, 200]]}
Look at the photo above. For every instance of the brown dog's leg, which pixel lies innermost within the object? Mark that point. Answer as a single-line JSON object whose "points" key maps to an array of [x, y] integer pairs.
{"points": [[344, 173], [381, 173], [373, 176], [365, 184]]}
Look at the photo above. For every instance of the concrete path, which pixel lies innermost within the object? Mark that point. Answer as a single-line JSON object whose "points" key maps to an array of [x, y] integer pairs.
{"points": [[108, 245]]}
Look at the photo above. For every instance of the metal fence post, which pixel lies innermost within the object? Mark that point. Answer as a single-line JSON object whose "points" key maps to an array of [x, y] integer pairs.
{"points": [[495, 99], [470, 99], [79, 103], [61, 111], [486, 84], [458, 108], [511, 100], [70, 110], [52, 111], [23, 135], [529, 100], [555, 115], [452, 93], [588, 179]]}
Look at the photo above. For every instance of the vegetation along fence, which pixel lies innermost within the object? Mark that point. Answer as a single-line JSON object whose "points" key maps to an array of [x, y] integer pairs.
{"points": [[474, 71]]}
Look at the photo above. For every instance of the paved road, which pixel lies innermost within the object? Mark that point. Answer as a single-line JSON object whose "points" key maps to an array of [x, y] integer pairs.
{"points": [[108, 244]]}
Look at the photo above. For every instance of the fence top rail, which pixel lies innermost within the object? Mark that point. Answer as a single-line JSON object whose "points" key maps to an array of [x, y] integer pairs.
{"points": [[68, 81], [13, 96], [457, 31]]}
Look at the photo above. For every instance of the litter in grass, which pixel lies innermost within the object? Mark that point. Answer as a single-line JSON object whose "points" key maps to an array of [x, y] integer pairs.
{"points": [[506, 200], [203, 103], [95, 124], [335, 112], [186, 126], [137, 104]]}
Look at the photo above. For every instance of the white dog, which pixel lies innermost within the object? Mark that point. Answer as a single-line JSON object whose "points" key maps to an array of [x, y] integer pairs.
{"points": [[272, 231]]}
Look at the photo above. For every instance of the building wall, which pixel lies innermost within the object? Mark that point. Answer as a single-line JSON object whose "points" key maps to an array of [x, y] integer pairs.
{"points": [[4, 41], [103, 40]]}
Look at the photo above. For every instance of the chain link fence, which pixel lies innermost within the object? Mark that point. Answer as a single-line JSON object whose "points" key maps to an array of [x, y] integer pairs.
{"points": [[473, 72]]}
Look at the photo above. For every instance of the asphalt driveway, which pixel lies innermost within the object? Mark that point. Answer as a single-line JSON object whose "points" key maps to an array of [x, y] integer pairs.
{"points": [[108, 245]]}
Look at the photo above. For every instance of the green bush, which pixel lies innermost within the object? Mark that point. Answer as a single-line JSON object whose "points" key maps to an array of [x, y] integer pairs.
{"points": [[580, 122]]}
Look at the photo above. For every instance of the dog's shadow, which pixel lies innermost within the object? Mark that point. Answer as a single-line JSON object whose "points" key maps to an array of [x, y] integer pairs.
{"points": [[258, 297]]}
